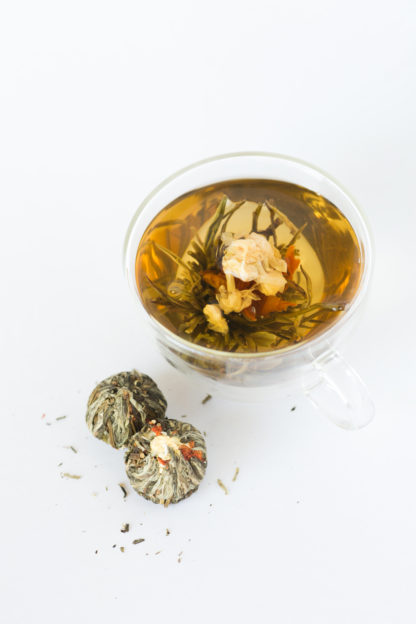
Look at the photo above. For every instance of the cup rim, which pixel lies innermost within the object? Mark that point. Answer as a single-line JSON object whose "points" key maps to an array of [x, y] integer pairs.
{"points": [[364, 239]]}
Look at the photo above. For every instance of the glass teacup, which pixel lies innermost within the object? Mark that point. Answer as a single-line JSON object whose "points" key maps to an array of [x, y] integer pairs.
{"points": [[312, 366]]}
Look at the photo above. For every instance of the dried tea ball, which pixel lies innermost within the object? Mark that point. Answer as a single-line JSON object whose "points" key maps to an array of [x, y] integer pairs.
{"points": [[120, 405], [166, 461]]}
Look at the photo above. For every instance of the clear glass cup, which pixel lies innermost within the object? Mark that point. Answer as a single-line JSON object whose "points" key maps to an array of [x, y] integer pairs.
{"points": [[314, 366]]}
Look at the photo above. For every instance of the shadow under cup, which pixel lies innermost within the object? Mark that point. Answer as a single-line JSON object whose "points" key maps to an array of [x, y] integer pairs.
{"points": [[313, 362]]}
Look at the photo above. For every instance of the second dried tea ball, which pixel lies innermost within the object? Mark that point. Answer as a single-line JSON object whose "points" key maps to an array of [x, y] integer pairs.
{"points": [[166, 461], [121, 404]]}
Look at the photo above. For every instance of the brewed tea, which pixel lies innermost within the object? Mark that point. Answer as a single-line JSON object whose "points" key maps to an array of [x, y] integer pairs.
{"points": [[248, 265]]}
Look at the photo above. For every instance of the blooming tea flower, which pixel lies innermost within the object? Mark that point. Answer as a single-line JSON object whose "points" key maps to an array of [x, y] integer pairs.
{"points": [[234, 300], [215, 318], [252, 258]]}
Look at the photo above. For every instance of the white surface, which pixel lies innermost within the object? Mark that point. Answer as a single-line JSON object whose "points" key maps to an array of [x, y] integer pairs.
{"points": [[100, 101]]}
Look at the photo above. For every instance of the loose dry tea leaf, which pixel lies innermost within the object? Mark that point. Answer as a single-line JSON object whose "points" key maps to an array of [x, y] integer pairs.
{"points": [[167, 532], [207, 398], [222, 486], [125, 528], [293, 408], [67, 475], [60, 418], [237, 470], [121, 404], [123, 489], [122, 548], [158, 552], [138, 541], [71, 448], [166, 461]]}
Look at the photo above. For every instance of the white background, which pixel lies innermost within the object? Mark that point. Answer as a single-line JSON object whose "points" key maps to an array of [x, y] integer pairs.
{"points": [[99, 102]]}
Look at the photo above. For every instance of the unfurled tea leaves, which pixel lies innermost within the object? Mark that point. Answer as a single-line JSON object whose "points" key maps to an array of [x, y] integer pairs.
{"points": [[181, 275], [212, 308]]}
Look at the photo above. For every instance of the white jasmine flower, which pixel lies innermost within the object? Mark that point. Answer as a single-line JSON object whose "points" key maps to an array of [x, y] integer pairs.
{"points": [[161, 444], [253, 258], [215, 318], [235, 300], [271, 283]]}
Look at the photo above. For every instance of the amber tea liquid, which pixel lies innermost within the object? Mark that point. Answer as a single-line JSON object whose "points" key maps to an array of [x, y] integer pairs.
{"points": [[328, 247]]}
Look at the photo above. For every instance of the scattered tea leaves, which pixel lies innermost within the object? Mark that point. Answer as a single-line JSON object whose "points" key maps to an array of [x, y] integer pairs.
{"points": [[71, 448], [122, 548], [67, 475], [167, 532], [222, 486], [207, 398], [125, 528], [237, 470], [293, 408], [60, 418], [123, 489], [138, 541]]}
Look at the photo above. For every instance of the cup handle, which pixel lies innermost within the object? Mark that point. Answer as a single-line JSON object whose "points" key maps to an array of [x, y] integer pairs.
{"points": [[336, 390]]}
